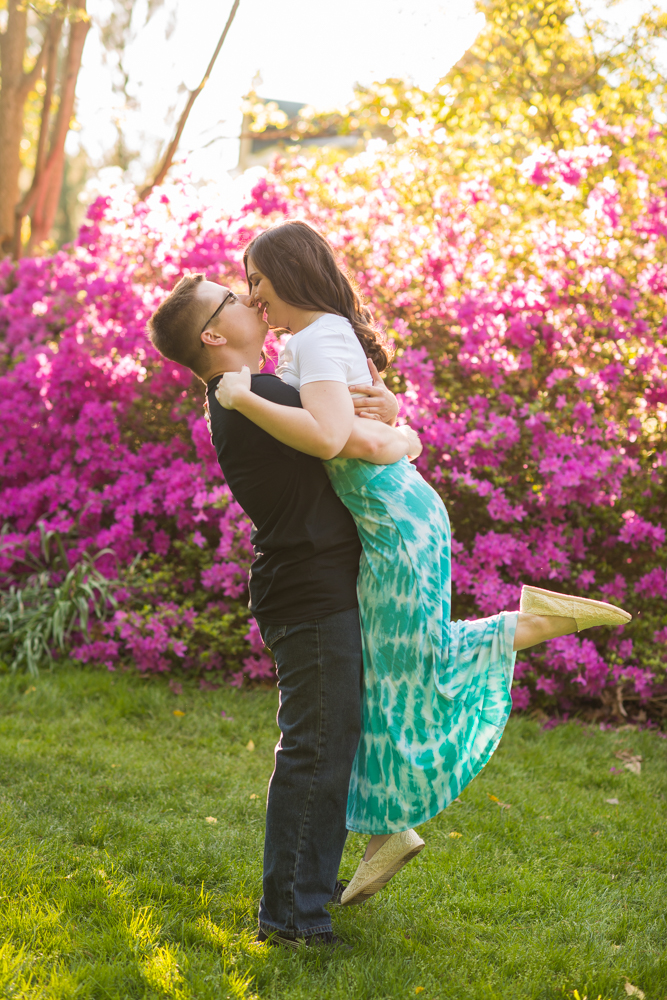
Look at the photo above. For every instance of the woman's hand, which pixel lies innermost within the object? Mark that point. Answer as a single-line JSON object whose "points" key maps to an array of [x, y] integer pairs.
{"points": [[375, 442], [377, 403], [232, 388]]}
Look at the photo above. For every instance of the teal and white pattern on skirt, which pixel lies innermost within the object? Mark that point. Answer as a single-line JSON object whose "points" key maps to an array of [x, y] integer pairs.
{"points": [[436, 692]]}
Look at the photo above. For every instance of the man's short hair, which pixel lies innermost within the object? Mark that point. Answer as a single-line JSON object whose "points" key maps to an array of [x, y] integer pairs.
{"points": [[174, 326]]}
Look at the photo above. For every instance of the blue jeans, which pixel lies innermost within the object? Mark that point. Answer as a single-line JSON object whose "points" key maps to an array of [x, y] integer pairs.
{"points": [[319, 677]]}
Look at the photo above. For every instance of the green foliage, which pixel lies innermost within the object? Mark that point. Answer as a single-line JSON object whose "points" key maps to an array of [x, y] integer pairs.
{"points": [[213, 631], [54, 602], [517, 86], [113, 885], [534, 62]]}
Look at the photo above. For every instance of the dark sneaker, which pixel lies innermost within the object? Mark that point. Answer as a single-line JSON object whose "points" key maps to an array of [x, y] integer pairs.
{"points": [[327, 939], [341, 886]]}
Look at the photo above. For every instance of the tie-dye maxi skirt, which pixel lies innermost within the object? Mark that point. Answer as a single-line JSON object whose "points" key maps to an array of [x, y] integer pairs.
{"points": [[436, 692]]}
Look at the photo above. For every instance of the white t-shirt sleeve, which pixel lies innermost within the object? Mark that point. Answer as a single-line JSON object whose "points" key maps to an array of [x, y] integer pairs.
{"points": [[331, 353]]}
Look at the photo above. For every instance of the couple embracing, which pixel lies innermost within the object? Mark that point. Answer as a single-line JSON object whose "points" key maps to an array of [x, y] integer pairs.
{"points": [[388, 709]]}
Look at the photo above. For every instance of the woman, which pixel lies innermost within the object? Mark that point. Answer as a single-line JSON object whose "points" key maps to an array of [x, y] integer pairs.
{"points": [[436, 692]]}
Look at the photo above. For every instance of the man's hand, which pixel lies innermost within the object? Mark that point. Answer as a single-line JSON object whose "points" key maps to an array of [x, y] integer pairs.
{"points": [[232, 387], [414, 444], [377, 403]]}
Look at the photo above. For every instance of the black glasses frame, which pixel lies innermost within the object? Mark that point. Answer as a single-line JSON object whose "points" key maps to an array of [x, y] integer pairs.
{"points": [[209, 321]]}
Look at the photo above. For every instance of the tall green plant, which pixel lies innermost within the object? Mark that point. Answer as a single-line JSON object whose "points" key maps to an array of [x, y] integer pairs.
{"points": [[40, 615]]}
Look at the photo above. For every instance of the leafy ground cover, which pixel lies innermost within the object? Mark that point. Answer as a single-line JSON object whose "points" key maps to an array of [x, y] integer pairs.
{"points": [[116, 883]]}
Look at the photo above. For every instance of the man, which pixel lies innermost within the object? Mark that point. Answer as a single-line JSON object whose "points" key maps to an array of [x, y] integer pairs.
{"points": [[302, 593]]}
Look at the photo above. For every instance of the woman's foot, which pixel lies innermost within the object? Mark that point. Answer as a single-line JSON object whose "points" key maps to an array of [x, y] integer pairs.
{"points": [[370, 876], [375, 843], [546, 614], [585, 612]]}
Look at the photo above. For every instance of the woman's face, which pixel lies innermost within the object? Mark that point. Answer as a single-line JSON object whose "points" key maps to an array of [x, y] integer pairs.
{"points": [[264, 297]]}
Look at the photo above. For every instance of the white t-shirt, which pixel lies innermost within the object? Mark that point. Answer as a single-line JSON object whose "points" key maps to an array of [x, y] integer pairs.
{"points": [[326, 351]]}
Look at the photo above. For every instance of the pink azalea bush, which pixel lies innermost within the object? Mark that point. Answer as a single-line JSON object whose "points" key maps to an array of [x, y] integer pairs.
{"points": [[108, 445], [531, 356]]}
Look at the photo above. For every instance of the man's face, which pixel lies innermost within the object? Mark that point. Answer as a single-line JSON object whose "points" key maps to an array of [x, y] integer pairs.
{"points": [[240, 326]]}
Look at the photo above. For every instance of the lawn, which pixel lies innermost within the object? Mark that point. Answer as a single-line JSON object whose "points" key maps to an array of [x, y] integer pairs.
{"points": [[115, 883]]}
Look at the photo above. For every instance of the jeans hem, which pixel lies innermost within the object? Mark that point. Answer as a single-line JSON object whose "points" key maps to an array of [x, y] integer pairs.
{"points": [[296, 934]]}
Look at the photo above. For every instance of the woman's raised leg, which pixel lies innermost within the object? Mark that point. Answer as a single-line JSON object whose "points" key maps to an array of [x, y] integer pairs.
{"points": [[534, 629]]}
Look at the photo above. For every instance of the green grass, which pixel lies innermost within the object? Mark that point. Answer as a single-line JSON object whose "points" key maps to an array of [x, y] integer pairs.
{"points": [[114, 885]]}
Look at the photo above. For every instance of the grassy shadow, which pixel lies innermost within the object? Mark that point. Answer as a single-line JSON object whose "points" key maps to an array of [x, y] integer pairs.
{"points": [[130, 860]]}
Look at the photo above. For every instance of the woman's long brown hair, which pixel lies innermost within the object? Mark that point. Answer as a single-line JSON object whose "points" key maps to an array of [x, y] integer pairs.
{"points": [[301, 266]]}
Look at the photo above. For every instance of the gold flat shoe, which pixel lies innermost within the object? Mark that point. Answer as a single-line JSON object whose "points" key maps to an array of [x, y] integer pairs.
{"points": [[586, 613], [372, 875]]}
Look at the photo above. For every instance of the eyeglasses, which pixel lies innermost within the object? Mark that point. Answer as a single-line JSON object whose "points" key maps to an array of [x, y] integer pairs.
{"points": [[209, 321]]}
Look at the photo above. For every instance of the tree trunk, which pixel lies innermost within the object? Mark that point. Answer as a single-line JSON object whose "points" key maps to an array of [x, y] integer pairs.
{"points": [[25, 205], [50, 177], [52, 44], [12, 99]]}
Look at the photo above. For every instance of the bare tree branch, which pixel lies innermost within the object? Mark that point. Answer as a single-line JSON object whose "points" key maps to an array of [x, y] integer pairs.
{"points": [[194, 94]]}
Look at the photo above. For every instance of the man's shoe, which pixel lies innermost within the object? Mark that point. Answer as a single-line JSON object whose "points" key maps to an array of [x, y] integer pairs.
{"points": [[372, 875], [585, 611], [341, 886], [327, 939]]}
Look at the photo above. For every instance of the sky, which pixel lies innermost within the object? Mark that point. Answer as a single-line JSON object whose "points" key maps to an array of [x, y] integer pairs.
{"points": [[303, 50]]}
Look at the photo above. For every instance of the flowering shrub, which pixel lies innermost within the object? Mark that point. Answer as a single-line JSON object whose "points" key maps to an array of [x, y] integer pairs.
{"points": [[107, 445], [532, 358]]}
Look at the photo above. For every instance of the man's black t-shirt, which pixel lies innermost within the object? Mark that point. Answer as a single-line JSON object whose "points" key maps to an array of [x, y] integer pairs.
{"points": [[306, 545]]}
